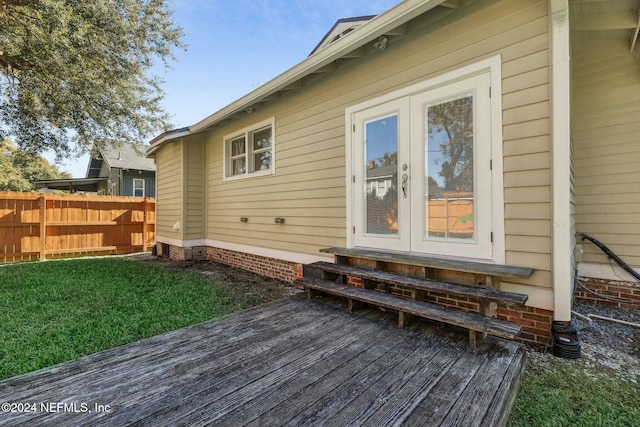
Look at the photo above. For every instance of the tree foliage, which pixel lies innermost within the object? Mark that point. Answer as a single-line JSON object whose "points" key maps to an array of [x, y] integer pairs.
{"points": [[455, 119], [19, 169], [73, 72]]}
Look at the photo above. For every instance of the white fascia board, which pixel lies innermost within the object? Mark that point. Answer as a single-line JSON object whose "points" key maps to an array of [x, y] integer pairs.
{"points": [[161, 139], [378, 26]]}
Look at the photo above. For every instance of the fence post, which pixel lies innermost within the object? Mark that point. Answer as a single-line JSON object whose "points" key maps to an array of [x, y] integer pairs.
{"points": [[446, 215], [144, 225], [42, 200]]}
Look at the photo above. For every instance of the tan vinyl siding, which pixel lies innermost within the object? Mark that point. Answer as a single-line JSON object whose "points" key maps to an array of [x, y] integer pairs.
{"points": [[308, 187], [169, 189], [194, 193], [605, 129]]}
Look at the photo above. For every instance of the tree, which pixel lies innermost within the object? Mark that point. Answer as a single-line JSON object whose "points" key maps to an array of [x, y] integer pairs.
{"points": [[455, 119], [19, 169], [74, 72]]}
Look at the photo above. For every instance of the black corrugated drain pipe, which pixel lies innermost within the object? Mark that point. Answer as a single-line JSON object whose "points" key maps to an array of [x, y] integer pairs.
{"points": [[565, 340], [565, 335]]}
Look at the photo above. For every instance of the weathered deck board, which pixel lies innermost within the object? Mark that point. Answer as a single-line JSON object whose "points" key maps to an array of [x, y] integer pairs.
{"points": [[294, 362], [424, 284], [465, 319], [434, 262]]}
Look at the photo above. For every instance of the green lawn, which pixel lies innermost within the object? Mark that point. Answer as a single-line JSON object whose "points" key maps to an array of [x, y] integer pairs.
{"points": [[55, 311], [559, 392]]}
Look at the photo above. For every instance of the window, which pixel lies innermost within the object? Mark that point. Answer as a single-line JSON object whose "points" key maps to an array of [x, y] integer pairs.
{"points": [[249, 152], [138, 187]]}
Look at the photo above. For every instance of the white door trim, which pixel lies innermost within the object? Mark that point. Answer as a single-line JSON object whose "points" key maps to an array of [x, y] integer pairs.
{"points": [[493, 66]]}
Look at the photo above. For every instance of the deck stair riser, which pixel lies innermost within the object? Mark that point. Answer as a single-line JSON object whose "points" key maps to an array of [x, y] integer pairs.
{"points": [[472, 321], [409, 294], [418, 283]]}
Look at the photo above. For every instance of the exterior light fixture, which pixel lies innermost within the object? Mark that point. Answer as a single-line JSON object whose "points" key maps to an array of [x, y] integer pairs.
{"points": [[381, 43]]}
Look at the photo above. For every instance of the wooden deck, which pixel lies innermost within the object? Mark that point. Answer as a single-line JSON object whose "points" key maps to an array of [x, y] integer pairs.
{"points": [[294, 362]]}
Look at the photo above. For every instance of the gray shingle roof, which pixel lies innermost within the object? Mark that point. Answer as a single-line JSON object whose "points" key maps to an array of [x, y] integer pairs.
{"points": [[127, 156]]}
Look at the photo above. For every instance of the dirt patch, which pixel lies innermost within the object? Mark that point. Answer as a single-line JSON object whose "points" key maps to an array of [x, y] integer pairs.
{"points": [[254, 288]]}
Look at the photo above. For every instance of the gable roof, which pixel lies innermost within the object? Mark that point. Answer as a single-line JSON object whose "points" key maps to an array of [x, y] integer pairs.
{"points": [[382, 172], [340, 29], [389, 23], [120, 156]]}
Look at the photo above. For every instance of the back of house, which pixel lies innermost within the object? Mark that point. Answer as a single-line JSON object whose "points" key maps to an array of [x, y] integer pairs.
{"points": [[438, 128]]}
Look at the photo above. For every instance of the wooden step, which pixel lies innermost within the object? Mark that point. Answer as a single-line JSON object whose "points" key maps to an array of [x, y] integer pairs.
{"points": [[497, 270], [493, 295], [471, 321]]}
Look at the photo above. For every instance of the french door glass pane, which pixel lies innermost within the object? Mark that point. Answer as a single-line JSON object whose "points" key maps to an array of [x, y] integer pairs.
{"points": [[381, 175], [449, 170]]}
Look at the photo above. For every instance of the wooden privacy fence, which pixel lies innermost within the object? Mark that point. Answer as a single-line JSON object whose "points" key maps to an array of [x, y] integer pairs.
{"points": [[37, 226], [451, 216]]}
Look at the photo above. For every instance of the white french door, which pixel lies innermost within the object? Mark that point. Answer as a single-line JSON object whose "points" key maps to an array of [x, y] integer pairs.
{"points": [[422, 174], [383, 218]]}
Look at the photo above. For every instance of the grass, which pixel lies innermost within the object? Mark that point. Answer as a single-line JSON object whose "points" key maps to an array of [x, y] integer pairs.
{"points": [[56, 311], [561, 392]]}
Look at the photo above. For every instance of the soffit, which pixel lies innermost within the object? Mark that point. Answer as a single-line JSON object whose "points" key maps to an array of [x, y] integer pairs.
{"points": [[607, 27]]}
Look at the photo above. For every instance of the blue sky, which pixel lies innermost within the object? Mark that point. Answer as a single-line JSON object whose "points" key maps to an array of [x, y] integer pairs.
{"points": [[234, 46]]}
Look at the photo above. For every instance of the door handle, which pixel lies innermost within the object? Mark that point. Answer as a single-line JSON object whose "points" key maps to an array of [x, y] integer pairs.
{"points": [[405, 178]]}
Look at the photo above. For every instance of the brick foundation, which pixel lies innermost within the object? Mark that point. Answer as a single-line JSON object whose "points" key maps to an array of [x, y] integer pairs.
{"points": [[176, 253], [269, 267], [264, 266], [536, 323], [610, 288]]}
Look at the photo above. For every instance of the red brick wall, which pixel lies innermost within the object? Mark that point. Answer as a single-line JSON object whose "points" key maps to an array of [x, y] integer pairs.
{"points": [[177, 253], [356, 282], [536, 323], [609, 288], [269, 267]]}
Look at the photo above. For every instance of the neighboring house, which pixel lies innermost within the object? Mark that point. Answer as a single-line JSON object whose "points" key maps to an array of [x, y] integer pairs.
{"points": [[113, 170], [381, 180], [538, 101]]}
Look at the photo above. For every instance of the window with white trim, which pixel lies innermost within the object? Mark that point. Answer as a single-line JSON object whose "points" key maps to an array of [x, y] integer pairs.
{"points": [[138, 187], [250, 151]]}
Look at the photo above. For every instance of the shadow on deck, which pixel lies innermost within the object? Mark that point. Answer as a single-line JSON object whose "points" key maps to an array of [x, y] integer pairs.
{"points": [[293, 362]]}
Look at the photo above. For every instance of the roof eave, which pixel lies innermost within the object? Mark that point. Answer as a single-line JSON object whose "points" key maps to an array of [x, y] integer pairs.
{"points": [[378, 26], [156, 142]]}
